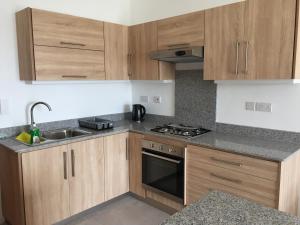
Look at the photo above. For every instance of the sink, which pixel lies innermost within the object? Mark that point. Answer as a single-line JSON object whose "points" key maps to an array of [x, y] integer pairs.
{"points": [[64, 134]]}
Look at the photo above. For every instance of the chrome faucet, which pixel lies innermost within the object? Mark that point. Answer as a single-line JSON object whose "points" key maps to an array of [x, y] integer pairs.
{"points": [[32, 108]]}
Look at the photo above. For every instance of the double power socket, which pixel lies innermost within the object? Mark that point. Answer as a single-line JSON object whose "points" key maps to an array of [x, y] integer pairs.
{"points": [[258, 106]]}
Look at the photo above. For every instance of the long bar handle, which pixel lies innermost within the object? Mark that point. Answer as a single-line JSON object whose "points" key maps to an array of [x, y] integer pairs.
{"points": [[246, 57], [237, 58], [226, 162], [161, 157], [129, 64], [226, 178], [127, 155], [73, 162], [74, 76], [71, 43], [65, 165]]}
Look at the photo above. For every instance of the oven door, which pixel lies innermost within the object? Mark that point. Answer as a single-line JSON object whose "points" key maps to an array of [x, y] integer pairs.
{"points": [[163, 172]]}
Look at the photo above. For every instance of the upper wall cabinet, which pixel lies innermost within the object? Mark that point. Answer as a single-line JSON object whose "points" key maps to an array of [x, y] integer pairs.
{"points": [[55, 46], [142, 41], [116, 51], [250, 40], [179, 31]]}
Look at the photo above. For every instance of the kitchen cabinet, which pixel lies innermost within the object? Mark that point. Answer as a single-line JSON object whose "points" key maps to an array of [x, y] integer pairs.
{"points": [[116, 51], [135, 164], [46, 186], [116, 165], [86, 174], [181, 31], [54, 46], [142, 41], [250, 40], [258, 180]]}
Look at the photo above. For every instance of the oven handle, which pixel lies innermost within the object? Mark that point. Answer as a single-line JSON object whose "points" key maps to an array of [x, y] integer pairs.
{"points": [[161, 157]]}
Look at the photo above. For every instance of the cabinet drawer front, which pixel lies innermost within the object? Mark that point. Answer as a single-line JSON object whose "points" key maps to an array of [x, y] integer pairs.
{"points": [[181, 30], [55, 29], [252, 166], [53, 63]]}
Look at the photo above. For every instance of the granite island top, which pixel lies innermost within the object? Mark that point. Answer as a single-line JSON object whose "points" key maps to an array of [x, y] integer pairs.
{"points": [[261, 148], [219, 208]]}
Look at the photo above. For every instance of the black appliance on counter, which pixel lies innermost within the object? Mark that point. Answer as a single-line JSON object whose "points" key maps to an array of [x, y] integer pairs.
{"points": [[163, 169], [180, 130], [96, 123], [138, 113]]}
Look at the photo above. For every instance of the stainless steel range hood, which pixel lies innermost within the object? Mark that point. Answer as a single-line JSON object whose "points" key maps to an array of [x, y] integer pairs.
{"points": [[179, 55]]}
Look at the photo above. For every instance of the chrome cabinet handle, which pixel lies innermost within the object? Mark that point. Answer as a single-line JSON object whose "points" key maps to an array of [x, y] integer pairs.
{"points": [[71, 43], [226, 178], [73, 162], [74, 76], [161, 157], [237, 58], [226, 162], [127, 149], [246, 57], [129, 64], [65, 165]]}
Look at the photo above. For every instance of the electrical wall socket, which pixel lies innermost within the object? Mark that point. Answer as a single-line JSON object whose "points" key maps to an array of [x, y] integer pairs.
{"points": [[263, 107], [250, 106], [144, 99], [157, 99], [4, 107]]}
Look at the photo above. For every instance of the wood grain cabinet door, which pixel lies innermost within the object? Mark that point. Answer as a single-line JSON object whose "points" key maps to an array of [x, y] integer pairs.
{"points": [[135, 164], [53, 63], [60, 30], [116, 165], [116, 51], [46, 186], [224, 32], [270, 34], [142, 41], [86, 166], [185, 30]]}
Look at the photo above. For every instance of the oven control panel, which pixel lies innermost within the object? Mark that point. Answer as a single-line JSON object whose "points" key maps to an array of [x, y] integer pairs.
{"points": [[167, 149]]}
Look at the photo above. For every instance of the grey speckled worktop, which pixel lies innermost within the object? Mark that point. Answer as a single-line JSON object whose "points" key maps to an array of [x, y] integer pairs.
{"points": [[219, 208], [270, 150]]}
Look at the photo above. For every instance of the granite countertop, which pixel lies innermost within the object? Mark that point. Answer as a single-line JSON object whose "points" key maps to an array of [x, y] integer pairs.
{"points": [[265, 149], [219, 208]]}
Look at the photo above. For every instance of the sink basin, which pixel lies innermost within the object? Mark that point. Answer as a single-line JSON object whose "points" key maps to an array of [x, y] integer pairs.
{"points": [[64, 134]]}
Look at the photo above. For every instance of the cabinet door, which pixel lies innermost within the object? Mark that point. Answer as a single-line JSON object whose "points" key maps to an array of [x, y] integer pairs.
{"points": [[142, 41], [116, 51], [116, 165], [224, 32], [46, 186], [270, 32], [53, 63], [135, 164], [185, 30], [86, 165], [60, 30]]}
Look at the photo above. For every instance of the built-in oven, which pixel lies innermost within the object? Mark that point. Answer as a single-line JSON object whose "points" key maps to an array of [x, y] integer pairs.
{"points": [[163, 168]]}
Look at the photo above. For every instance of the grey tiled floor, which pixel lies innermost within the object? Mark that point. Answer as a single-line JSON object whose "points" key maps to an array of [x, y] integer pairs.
{"points": [[125, 211]]}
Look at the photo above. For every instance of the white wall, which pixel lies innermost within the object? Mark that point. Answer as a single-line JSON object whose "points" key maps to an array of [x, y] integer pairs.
{"points": [[145, 10], [165, 90]]}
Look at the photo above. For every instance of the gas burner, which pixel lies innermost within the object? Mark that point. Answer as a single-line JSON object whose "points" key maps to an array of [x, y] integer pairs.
{"points": [[180, 130]]}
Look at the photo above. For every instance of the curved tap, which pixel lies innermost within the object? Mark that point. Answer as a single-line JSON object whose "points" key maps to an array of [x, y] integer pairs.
{"points": [[32, 108]]}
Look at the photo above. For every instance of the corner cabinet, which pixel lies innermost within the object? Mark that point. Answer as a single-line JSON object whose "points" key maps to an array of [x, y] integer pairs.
{"points": [[54, 46], [142, 41], [251, 40]]}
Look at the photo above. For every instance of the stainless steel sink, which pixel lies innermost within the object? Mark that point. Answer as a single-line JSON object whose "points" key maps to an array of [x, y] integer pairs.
{"points": [[64, 134]]}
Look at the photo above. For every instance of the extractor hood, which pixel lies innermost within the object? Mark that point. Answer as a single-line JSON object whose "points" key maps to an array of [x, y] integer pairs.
{"points": [[179, 55]]}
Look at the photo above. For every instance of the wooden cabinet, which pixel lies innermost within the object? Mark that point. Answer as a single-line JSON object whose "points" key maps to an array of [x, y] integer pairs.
{"points": [[86, 174], [142, 41], [258, 180], [250, 40], [68, 64], [116, 165], [46, 186], [179, 31], [135, 164], [116, 51], [55, 46]]}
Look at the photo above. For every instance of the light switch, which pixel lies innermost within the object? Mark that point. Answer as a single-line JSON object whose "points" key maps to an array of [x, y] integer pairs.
{"points": [[4, 106], [144, 99]]}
